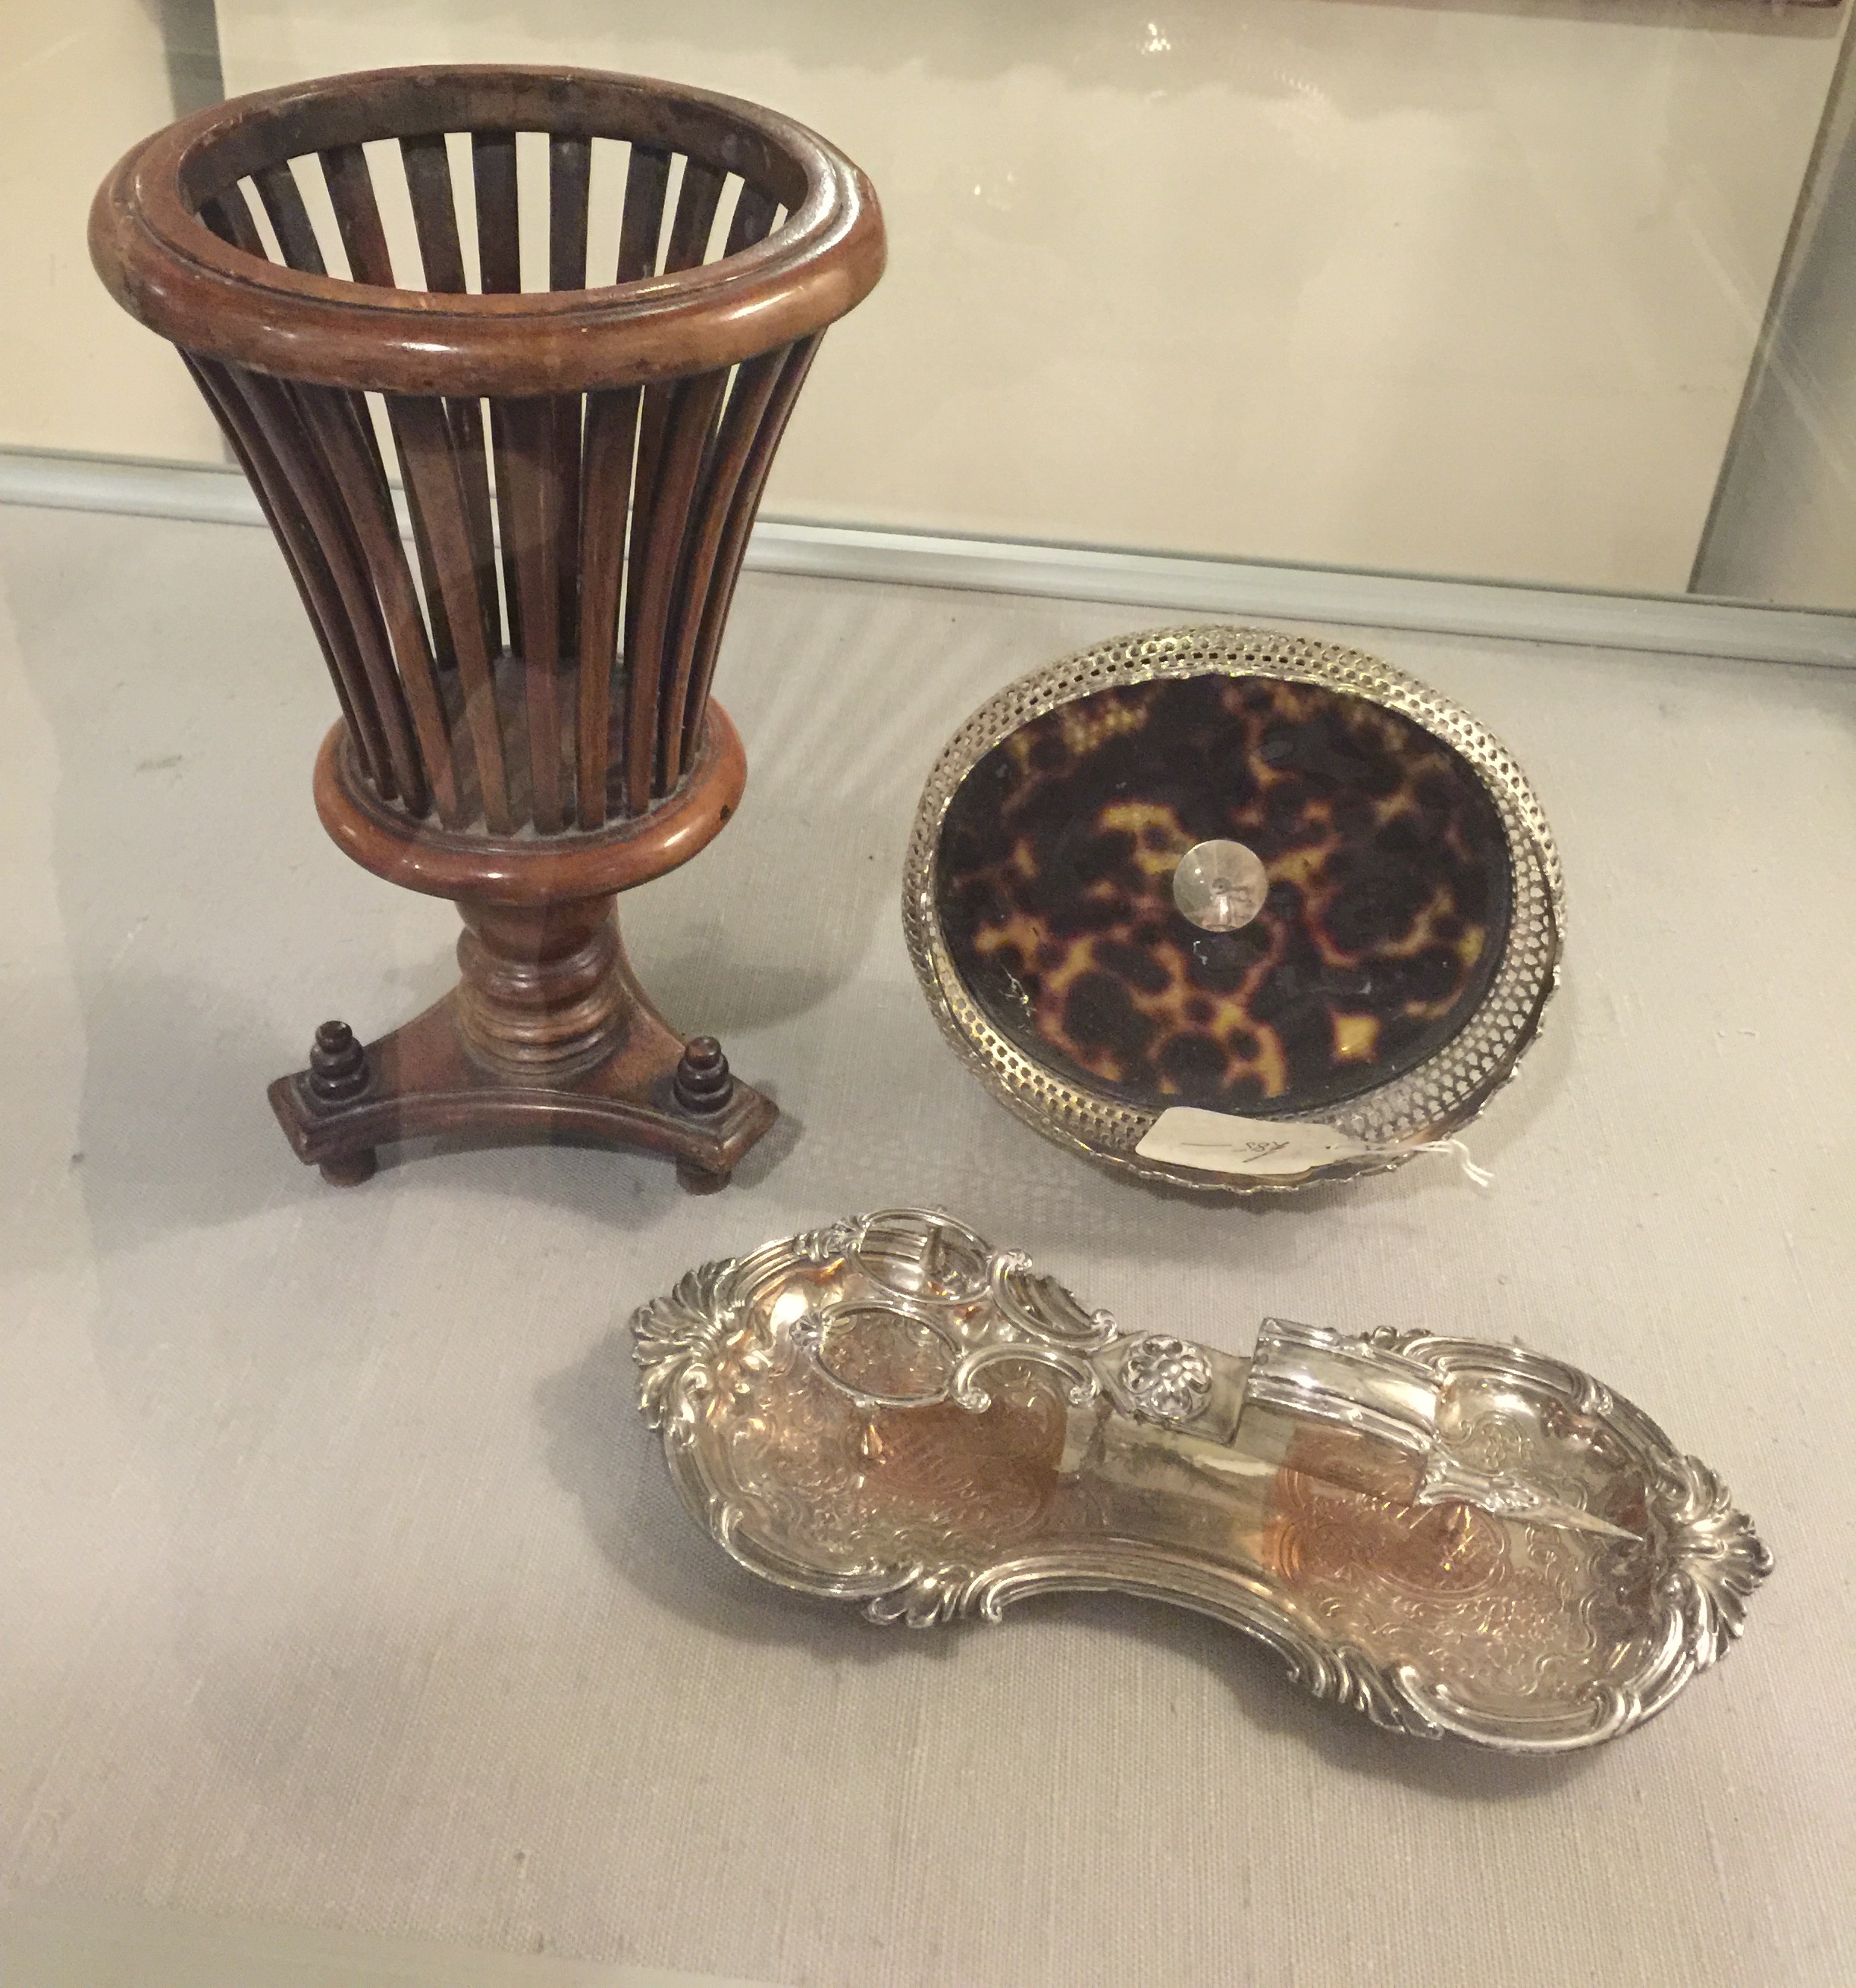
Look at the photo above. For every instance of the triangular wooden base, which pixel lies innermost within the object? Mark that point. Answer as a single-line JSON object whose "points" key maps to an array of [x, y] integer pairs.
{"points": [[426, 1080]]}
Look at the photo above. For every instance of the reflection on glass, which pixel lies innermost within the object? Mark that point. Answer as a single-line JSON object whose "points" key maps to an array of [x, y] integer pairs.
{"points": [[1449, 289]]}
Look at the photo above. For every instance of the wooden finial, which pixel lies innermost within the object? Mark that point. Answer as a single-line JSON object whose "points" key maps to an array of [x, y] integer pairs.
{"points": [[338, 1064], [701, 1083]]}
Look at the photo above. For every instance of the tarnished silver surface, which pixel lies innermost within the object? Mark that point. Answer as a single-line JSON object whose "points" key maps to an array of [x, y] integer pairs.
{"points": [[1431, 1102], [1452, 1536]]}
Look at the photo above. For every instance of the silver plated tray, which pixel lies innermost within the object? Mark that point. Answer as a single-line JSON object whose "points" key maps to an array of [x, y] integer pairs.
{"points": [[1238, 872], [1452, 1537]]}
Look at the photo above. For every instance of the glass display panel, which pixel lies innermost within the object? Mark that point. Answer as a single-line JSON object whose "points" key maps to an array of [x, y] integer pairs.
{"points": [[1544, 294]]}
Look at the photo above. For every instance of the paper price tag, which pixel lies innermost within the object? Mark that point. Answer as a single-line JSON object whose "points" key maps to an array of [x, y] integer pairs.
{"points": [[1217, 1143]]}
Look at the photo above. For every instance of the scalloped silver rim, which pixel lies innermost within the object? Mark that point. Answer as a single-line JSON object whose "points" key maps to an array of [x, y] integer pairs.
{"points": [[1431, 1102]]}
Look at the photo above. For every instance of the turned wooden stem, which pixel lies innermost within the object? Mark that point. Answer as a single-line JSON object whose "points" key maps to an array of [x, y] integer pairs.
{"points": [[545, 986]]}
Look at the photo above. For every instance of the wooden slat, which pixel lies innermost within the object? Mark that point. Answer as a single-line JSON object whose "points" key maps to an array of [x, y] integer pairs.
{"points": [[647, 177], [647, 182], [282, 199], [700, 188], [529, 492], [353, 613], [464, 420], [721, 473], [433, 470], [230, 218], [357, 215], [734, 543], [350, 181], [565, 509], [612, 429], [754, 212], [687, 428], [569, 180], [434, 210], [570, 176], [655, 406], [499, 262], [434, 213], [331, 417], [654, 411], [303, 557], [280, 413], [498, 240], [695, 216], [444, 651]]}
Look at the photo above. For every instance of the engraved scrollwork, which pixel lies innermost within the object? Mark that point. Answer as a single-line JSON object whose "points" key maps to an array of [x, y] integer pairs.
{"points": [[1712, 1558], [881, 1356], [1525, 1561]]}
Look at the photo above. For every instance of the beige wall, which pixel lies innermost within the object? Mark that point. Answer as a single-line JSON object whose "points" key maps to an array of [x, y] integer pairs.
{"points": [[1433, 288], [80, 81]]}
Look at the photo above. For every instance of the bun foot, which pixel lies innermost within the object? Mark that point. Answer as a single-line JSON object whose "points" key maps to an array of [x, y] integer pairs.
{"points": [[350, 1169], [693, 1179]]}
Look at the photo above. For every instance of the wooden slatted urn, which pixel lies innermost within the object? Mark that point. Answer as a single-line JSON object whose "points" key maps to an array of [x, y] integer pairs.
{"points": [[581, 414]]}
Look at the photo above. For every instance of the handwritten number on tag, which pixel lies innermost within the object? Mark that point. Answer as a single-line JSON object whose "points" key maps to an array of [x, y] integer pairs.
{"points": [[1250, 1149], [1222, 1142]]}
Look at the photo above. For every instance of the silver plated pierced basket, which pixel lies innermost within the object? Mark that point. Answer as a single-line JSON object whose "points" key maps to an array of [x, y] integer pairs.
{"points": [[1240, 873]]}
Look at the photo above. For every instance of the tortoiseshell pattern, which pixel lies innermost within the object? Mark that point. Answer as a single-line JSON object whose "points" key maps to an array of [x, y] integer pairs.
{"points": [[1388, 904]]}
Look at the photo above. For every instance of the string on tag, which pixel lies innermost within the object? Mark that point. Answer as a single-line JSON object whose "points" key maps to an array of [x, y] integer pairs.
{"points": [[1444, 1149]]}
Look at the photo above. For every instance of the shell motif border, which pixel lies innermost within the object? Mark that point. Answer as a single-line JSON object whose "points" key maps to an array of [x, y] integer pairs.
{"points": [[1715, 1560], [1430, 1102]]}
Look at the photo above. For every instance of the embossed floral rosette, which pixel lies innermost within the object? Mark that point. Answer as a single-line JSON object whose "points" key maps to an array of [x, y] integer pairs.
{"points": [[1455, 1537], [1218, 868]]}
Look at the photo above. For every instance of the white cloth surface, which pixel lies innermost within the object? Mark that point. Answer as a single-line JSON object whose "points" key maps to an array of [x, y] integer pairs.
{"points": [[341, 1583]]}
